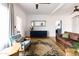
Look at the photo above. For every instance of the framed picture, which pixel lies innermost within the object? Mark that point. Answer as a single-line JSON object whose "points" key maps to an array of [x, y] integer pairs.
{"points": [[38, 23]]}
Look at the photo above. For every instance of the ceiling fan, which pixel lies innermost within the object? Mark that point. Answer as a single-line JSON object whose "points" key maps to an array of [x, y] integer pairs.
{"points": [[76, 8], [37, 5]]}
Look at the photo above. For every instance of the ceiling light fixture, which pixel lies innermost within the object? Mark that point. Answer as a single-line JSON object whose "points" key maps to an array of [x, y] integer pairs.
{"points": [[37, 5]]}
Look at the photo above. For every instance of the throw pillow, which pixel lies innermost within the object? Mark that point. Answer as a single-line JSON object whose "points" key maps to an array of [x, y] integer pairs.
{"points": [[76, 45], [65, 35]]}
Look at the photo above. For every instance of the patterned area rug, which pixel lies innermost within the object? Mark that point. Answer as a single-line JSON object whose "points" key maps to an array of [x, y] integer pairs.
{"points": [[42, 47]]}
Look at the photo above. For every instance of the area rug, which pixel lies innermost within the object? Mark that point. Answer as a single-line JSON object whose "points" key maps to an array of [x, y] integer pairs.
{"points": [[42, 47]]}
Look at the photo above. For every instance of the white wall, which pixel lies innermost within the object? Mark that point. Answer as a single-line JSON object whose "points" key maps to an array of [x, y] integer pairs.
{"points": [[67, 23], [75, 22], [20, 20], [51, 23], [23, 22], [37, 17]]}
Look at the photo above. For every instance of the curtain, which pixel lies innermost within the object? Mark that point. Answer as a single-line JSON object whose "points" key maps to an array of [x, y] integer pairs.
{"points": [[4, 26], [11, 23]]}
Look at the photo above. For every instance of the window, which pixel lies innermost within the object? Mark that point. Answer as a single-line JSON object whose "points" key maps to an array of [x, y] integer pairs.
{"points": [[4, 26]]}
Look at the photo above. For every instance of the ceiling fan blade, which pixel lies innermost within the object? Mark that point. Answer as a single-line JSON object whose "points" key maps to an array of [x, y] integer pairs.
{"points": [[75, 9]]}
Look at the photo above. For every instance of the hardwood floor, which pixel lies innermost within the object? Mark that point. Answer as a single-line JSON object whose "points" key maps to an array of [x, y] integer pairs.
{"points": [[50, 41]]}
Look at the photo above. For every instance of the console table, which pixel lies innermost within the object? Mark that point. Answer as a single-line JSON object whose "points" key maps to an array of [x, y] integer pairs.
{"points": [[38, 34]]}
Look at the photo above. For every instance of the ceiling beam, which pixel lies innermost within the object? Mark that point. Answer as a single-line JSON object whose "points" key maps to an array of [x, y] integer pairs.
{"points": [[57, 8]]}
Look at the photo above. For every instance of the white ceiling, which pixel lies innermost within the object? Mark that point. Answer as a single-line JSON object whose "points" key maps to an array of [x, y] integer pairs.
{"points": [[53, 8]]}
